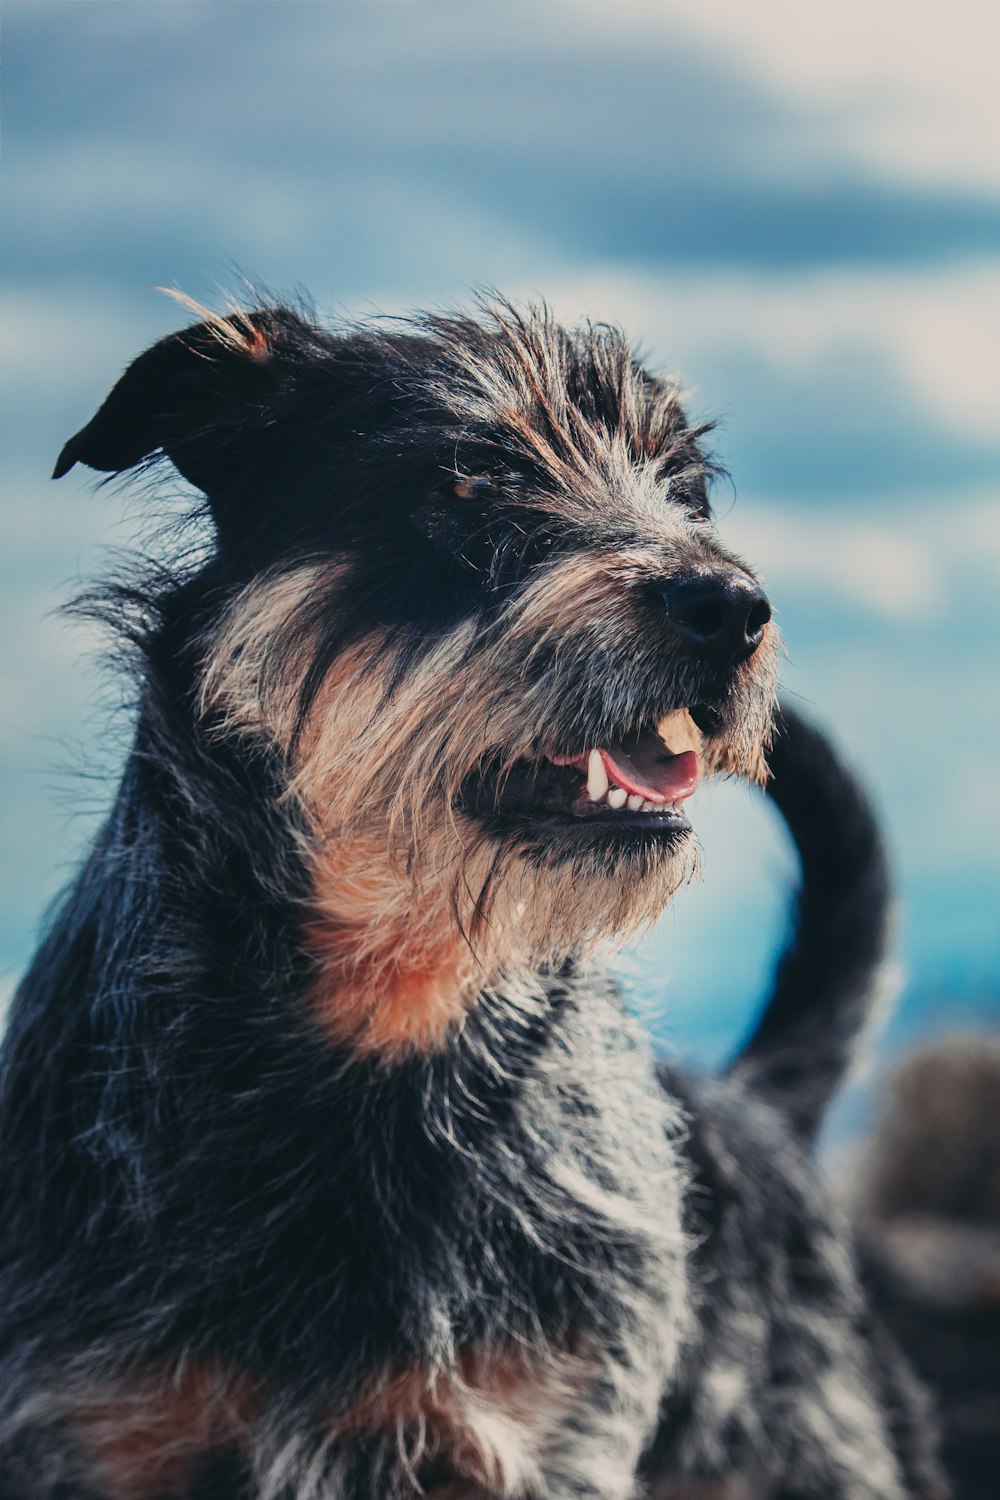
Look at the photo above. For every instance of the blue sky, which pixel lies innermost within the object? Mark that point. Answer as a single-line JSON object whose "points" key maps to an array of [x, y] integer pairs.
{"points": [[800, 212]]}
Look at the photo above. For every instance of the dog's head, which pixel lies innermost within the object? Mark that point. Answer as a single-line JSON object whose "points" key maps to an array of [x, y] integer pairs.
{"points": [[476, 604]]}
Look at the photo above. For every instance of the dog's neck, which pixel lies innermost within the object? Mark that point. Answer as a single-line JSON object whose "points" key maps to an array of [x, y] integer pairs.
{"points": [[383, 970], [396, 967]]}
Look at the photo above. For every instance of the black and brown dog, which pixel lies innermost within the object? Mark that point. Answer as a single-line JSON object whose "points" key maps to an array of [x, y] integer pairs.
{"points": [[331, 1164]]}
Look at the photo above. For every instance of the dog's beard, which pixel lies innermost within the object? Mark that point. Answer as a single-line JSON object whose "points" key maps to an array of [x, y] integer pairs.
{"points": [[412, 891], [403, 946]]}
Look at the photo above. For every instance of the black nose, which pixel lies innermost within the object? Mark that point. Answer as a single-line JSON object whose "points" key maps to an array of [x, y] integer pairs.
{"points": [[724, 614]]}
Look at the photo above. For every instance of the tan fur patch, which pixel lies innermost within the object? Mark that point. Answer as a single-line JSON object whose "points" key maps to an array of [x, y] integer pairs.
{"points": [[393, 972], [412, 986], [492, 1420], [241, 690], [144, 1440]]}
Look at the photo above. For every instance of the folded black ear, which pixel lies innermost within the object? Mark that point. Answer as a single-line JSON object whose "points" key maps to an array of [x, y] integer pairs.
{"points": [[190, 396]]}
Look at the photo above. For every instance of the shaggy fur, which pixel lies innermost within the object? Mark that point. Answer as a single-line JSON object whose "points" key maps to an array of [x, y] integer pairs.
{"points": [[332, 1166]]}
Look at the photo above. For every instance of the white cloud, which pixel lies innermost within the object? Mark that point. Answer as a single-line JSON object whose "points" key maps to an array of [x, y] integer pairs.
{"points": [[888, 574], [939, 329], [909, 89], [915, 570]]}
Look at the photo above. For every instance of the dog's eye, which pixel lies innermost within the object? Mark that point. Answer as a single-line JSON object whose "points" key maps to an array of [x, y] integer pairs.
{"points": [[474, 487], [693, 495]]}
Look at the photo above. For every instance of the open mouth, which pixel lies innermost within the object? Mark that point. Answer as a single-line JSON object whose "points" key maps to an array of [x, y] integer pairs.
{"points": [[634, 784]]}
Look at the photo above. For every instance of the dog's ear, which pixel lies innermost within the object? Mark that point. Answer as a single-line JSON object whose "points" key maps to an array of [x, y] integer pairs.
{"points": [[196, 397]]}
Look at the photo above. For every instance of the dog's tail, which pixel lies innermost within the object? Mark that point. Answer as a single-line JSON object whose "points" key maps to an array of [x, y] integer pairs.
{"points": [[827, 980]]}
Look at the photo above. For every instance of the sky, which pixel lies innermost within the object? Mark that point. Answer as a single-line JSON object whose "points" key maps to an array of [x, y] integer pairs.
{"points": [[795, 207]]}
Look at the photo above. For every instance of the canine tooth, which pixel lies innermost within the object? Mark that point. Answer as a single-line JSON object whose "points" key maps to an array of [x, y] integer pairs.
{"points": [[617, 797], [634, 802], [597, 776]]}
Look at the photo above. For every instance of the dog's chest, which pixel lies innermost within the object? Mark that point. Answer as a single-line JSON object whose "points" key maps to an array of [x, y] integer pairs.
{"points": [[491, 1422]]}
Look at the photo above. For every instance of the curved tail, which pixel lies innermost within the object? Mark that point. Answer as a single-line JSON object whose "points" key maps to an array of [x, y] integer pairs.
{"points": [[826, 982]]}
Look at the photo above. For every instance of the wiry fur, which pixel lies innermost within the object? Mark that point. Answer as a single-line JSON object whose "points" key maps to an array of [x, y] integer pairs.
{"points": [[332, 1166]]}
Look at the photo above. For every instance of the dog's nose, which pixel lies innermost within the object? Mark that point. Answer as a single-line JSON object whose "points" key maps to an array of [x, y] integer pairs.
{"points": [[724, 614]]}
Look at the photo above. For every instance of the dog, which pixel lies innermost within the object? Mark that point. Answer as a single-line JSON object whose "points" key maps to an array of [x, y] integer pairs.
{"points": [[332, 1163]]}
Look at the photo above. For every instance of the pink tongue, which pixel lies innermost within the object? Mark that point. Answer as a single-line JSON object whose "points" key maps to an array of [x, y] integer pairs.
{"points": [[654, 774]]}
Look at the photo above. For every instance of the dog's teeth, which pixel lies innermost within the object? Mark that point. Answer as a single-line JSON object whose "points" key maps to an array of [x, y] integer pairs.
{"points": [[597, 777], [617, 797], [649, 806], [634, 802]]}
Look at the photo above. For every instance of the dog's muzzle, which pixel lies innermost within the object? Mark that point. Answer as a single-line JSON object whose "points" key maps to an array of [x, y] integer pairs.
{"points": [[721, 615]]}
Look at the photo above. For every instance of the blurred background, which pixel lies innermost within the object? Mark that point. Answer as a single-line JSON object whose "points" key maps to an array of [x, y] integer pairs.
{"points": [[797, 207]]}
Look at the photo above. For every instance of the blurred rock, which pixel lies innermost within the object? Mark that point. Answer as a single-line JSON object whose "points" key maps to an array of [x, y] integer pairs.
{"points": [[926, 1203]]}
